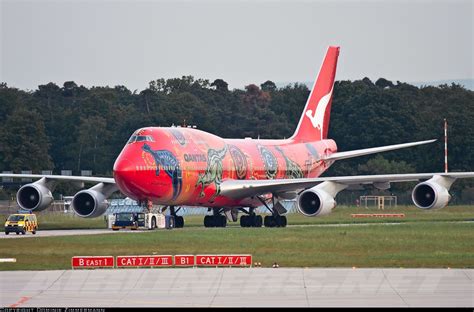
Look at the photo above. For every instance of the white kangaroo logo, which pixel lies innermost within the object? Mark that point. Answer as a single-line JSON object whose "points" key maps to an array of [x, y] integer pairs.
{"points": [[318, 118]]}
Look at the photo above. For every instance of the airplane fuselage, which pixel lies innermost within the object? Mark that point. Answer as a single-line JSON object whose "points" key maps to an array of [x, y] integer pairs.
{"points": [[185, 166]]}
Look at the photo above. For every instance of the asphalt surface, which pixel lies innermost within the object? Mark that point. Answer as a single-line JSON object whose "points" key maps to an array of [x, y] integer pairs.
{"points": [[238, 287]]}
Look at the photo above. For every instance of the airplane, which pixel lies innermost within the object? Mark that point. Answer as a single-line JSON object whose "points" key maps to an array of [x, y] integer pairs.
{"points": [[182, 166]]}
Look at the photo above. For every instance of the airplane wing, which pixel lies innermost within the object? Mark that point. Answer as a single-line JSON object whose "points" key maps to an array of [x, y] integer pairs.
{"points": [[60, 177], [373, 150], [248, 188]]}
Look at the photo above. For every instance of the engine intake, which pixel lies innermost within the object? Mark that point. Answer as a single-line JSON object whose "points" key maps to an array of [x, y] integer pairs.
{"points": [[35, 196], [92, 202], [89, 204], [432, 194], [315, 202]]}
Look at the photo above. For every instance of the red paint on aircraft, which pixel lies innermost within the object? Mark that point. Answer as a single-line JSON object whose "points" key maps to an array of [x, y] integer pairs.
{"points": [[185, 166]]}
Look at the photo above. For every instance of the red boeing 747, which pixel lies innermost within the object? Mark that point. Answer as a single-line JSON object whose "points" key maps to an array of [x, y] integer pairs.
{"points": [[184, 166]]}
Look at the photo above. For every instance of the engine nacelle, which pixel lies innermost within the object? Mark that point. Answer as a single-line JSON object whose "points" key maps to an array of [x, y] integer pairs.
{"points": [[89, 203], [92, 202], [431, 194], [315, 202], [35, 196]]}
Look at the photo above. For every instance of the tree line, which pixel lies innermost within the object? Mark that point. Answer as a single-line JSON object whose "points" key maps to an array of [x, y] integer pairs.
{"points": [[71, 127]]}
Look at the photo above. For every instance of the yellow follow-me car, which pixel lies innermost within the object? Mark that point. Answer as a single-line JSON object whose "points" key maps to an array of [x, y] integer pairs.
{"points": [[21, 223]]}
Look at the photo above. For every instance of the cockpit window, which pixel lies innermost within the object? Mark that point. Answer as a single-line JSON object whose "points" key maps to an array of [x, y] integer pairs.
{"points": [[140, 138]]}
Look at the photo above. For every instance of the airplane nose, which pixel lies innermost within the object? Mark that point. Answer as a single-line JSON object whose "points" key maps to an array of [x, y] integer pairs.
{"points": [[124, 171]]}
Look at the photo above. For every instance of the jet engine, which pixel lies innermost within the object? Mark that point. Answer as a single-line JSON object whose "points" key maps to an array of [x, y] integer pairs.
{"points": [[315, 202], [92, 202], [319, 200], [432, 194], [35, 196]]}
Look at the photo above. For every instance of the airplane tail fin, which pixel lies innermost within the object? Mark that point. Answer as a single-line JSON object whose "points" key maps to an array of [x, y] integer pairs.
{"points": [[314, 121]]}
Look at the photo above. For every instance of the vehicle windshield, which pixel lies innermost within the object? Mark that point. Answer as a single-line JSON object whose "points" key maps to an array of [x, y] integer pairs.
{"points": [[124, 217], [16, 218]]}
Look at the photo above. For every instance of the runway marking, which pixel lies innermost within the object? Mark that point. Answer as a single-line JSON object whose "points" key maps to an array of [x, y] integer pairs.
{"points": [[21, 301]]}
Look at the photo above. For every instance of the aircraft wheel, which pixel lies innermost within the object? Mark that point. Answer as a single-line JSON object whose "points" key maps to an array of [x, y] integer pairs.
{"points": [[283, 221], [222, 221], [153, 223], [208, 221], [258, 221], [267, 221], [277, 221], [248, 221], [270, 221], [251, 221], [243, 221], [179, 222]]}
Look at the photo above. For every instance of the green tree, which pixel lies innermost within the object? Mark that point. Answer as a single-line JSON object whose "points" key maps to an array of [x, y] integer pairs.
{"points": [[24, 144], [92, 135], [220, 85], [268, 86]]}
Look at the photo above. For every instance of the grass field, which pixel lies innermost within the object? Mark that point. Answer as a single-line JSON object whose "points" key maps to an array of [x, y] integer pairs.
{"points": [[422, 239], [59, 220]]}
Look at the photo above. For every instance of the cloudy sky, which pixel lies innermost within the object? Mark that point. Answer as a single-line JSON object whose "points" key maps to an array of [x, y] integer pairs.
{"points": [[132, 42]]}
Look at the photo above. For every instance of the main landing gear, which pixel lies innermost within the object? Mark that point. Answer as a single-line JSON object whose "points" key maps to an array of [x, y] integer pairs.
{"points": [[251, 220], [276, 219], [216, 220]]}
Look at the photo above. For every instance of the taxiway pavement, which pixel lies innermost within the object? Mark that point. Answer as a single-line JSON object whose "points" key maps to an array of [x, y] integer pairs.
{"points": [[238, 287]]}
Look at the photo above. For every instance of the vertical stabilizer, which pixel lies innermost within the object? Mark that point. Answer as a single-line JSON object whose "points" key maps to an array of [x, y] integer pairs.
{"points": [[314, 121]]}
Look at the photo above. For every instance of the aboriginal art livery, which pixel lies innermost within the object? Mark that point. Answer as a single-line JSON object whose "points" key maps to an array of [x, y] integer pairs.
{"points": [[178, 155]]}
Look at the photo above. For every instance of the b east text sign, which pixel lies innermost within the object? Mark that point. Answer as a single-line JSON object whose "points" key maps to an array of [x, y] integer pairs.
{"points": [[91, 262]]}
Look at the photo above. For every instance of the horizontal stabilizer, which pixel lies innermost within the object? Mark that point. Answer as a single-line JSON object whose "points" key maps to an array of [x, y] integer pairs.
{"points": [[373, 150]]}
